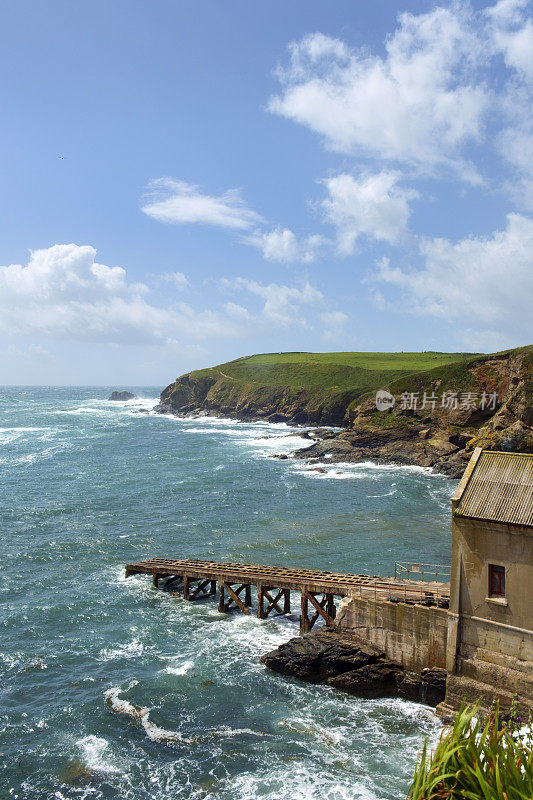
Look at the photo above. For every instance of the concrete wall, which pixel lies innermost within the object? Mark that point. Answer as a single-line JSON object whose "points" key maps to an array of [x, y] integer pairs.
{"points": [[412, 635], [490, 640], [475, 545]]}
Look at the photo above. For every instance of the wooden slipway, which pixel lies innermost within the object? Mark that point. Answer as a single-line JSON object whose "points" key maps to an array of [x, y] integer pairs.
{"points": [[317, 588]]}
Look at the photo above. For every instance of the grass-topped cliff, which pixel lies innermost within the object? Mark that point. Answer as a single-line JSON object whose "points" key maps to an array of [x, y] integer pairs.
{"points": [[340, 388], [308, 388]]}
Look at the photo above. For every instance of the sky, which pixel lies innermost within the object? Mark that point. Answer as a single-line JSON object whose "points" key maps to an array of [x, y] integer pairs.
{"points": [[183, 182]]}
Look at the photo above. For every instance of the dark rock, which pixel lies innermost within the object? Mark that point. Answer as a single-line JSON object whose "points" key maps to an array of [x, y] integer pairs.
{"points": [[276, 417], [300, 657], [371, 680], [123, 396], [433, 688], [346, 662]]}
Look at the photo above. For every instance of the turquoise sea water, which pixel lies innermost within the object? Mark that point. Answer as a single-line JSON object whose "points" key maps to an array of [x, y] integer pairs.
{"points": [[88, 485]]}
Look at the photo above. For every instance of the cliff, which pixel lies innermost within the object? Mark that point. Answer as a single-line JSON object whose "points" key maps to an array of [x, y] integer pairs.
{"points": [[300, 388], [440, 415], [441, 405]]}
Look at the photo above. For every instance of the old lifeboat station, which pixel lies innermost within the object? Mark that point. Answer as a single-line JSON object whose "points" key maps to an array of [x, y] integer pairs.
{"points": [[476, 624]]}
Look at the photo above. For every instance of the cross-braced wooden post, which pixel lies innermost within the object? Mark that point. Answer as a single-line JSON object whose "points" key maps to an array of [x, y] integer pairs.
{"points": [[324, 608], [233, 597], [268, 594]]}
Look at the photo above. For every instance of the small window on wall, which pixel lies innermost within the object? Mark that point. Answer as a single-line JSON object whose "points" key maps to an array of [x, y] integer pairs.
{"points": [[496, 581]]}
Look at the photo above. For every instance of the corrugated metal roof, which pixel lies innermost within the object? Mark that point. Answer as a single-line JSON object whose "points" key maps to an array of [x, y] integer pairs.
{"points": [[500, 488]]}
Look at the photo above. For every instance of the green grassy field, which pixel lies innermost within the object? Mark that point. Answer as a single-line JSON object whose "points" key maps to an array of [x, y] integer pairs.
{"points": [[333, 372]]}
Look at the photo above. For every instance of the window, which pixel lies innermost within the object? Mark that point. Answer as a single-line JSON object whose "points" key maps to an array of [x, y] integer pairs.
{"points": [[496, 581]]}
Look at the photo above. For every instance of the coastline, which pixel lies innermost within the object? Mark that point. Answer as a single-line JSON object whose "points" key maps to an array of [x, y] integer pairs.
{"points": [[333, 444]]}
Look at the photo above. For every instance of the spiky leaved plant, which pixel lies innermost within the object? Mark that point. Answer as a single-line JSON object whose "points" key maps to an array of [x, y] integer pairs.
{"points": [[476, 760]]}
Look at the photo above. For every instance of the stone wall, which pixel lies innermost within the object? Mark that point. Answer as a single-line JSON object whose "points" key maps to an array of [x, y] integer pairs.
{"points": [[412, 635]]}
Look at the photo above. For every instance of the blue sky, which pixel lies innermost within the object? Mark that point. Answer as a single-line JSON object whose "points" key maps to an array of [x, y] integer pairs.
{"points": [[183, 183]]}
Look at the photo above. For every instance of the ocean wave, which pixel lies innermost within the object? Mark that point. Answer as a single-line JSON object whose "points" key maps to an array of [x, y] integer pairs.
{"points": [[8, 435], [140, 714], [94, 752], [132, 649], [179, 669]]}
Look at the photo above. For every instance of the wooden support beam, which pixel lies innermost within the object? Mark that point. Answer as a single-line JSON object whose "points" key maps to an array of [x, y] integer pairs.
{"points": [[287, 601], [221, 604], [320, 606], [260, 601], [331, 607], [172, 579], [155, 579], [234, 597], [248, 595], [304, 616], [186, 587], [202, 589], [213, 589], [274, 602]]}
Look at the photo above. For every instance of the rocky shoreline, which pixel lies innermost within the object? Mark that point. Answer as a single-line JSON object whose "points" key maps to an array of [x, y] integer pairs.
{"points": [[435, 419], [342, 660]]}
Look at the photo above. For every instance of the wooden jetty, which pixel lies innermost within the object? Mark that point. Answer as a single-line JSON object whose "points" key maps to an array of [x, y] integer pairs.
{"points": [[317, 588]]}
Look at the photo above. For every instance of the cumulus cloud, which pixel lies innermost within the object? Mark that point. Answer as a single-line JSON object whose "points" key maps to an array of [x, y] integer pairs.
{"points": [[282, 305], [283, 245], [512, 34], [64, 293], [419, 104], [178, 202], [373, 205], [484, 283]]}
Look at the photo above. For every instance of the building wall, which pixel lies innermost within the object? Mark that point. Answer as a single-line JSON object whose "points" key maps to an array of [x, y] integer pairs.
{"points": [[490, 640], [477, 544], [412, 635]]}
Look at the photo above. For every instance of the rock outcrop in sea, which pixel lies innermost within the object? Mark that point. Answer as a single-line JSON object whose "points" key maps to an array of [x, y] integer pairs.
{"points": [[122, 396], [344, 661]]}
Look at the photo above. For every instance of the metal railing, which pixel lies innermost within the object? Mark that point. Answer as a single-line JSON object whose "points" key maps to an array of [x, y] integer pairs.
{"points": [[412, 571], [431, 594]]}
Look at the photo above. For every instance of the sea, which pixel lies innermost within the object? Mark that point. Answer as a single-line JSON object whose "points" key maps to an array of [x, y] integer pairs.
{"points": [[111, 689]]}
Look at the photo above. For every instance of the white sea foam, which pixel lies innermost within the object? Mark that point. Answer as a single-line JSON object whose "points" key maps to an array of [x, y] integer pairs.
{"points": [[95, 753], [84, 410], [132, 649], [179, 668], [140, 714], [8, 435]]}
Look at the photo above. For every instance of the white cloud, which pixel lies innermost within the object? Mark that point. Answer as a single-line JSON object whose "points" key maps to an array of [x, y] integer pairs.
{"points": [[282, 304], [419, 104], [334, 318], [178, 279], [334, 325], [478, 283], [178, 202], [512, 34], [373, 205], [282, 245], [64, 293], [237, 311]]}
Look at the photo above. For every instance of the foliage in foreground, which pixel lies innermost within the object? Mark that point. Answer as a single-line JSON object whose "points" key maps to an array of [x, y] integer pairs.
{"points": [[477, 761]]}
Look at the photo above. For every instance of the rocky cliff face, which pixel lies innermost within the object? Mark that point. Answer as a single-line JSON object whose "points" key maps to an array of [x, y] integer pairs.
{"points": [[438, 417], [221, 394]]}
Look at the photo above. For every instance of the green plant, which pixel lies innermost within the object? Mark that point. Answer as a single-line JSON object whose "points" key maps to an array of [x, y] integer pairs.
{"points": [[477, 760]]}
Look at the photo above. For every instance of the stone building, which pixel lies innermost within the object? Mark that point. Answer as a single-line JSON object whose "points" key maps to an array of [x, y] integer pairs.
{"points": [[484, 640], [489, 647]]}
